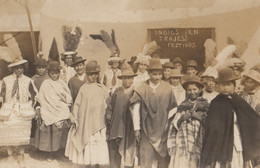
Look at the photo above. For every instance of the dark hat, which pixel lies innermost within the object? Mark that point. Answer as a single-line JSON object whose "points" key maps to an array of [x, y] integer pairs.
{"points": [[92, 67], [168, 65], [191, 63], [192, 80], [54, 66], [177, 60], [41, 62], [226, 74], [155, 64], [175, 73], [127, 71], [76, 60]]}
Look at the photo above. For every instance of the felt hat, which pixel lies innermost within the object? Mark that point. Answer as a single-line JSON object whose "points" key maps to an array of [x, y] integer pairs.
{"points": [[191, 80], [226, 74], [40, 62], [253, 74], [92, 67], [17, 62], [175, 73], [191, 63], [76, 60], [177, 60], [143, 59], [154, 64], [66, 53], [168, 65], [210, 72], [54, 66], [127, 72]]}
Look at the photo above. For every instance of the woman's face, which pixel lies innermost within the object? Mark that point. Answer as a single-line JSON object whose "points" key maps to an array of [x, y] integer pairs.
{"points": [[175, 81], [18, 70], [166, 73], [92, 77], [54, 75], [127, 81], [193, 91], [227, 88], [68, 60], [142, 67], [115, 65], [210, 84], [178, 66], [40, 70], [79, 68], [155, 76], [250, 85]]}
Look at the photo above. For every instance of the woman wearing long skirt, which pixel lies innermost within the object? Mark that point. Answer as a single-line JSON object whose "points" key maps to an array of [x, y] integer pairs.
{"points": [[86, 143]]}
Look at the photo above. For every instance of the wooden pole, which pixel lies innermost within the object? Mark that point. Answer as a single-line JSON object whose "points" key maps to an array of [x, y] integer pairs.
{"points": [[31, 29]]}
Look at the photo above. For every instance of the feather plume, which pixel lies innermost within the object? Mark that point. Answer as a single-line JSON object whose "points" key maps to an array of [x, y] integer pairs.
{"points": [[71, 37], [5, 54], [210, 53], [12, 44], [149, 48], [241, 47], [224, 54], [113, 36], [107, 40]]}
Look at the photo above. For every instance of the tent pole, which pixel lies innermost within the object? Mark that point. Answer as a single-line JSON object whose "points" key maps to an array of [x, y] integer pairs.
{"points": [[31, 29]]}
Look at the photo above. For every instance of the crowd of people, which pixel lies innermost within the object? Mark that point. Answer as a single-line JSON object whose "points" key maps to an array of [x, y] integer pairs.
{"points": [[148, 114]]}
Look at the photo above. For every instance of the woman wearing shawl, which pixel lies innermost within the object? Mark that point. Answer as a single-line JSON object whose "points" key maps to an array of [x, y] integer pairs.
{"points": [[186, 139], [55, 99], [232, 128], [87, 137]]}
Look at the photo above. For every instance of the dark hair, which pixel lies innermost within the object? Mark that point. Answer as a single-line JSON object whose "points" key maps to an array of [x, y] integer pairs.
{"points": [[232, 81]]}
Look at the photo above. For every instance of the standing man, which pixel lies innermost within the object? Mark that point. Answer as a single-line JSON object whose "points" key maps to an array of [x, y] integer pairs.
{"points": [[67, 70], [150, 104]]}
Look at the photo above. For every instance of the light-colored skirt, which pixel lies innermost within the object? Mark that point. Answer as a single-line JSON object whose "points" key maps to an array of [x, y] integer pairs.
{"points": [[95, 151]]}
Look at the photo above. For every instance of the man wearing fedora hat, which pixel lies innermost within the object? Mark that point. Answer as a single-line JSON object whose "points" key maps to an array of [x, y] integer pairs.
{"points": [[178, 63], [150, 104], [120, 133], [167, 67], [191, 68], [232, 128], [79, 78]]}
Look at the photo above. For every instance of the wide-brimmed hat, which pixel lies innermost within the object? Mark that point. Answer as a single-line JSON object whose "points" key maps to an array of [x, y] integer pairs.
{"points": [[76, 60], [154, 64], [54, 66], [92, 67], [144, 59], [17, 62], [177, 60], [192, 80], [226, 74], [66, 53], [191, 63], [236, 62], [114, 59], [127, 71], [168, 65], [40, 62], [253, 74], [175, 73]]}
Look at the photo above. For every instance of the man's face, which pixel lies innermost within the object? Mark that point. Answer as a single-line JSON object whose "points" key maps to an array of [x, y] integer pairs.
{"points": [[236, 70], [68, 60], [142, 67], [178, 66], [191, 71], [127, 81], [175, 81], [115, 65], [79, 68], [92, 77], [155, 76], [193, 91], [210, 84], [40, 70], [227, 88], [18, 70], [250, 84], [54, 75], [166, 73]]}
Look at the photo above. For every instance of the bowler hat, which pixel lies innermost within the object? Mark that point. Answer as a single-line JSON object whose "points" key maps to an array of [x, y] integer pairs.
{"points": [[177, 60], [127, 72], [191, 63], [76, 60], [41, 62], [175, 73], [226, 74], [253, 74], [92, 67], [54, 66], [17, 62], [192, 80], [154, 64], [168, 65]]}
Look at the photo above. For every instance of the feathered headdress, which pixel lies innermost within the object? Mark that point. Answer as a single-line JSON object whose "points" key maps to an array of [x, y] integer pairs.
{"points": [[71, 37], [110, 42], [210, 52], [151, 48]]}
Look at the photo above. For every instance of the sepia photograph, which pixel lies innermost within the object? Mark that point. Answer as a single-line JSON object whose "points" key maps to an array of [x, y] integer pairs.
{"points": [[129, 84]]}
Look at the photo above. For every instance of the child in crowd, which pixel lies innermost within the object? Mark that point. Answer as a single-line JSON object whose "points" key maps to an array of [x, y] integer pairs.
{"points": [[86, 143], [186, 140], [167, 67], [79, 79], [53, 113], [120, 134], [150, 104], [15, 127], [175, 81], [232, 128], [141, 63], [209, 91]]}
